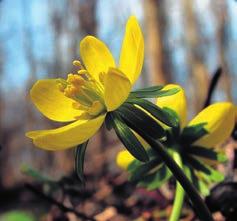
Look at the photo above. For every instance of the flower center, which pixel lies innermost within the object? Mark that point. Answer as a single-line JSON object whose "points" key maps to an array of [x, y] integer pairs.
{"points": [[84, 90]]}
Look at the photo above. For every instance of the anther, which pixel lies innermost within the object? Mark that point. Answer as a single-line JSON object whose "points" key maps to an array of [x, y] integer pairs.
{"points": [[83, 72], [78, 64], [75, 79]]}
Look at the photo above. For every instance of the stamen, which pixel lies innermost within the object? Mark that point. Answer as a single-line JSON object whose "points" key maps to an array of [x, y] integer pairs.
{"points": [[70, 91], [75, 79], [62, 84], [85, 90], [78, 64], [83, 72]]}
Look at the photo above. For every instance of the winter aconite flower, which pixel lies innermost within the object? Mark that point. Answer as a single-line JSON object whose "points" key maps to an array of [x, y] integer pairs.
{"points": [[196, 143], [84, 98]]}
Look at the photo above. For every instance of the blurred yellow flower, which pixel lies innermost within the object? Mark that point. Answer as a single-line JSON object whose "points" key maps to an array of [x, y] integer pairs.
{"points": [[219, 119], [86, 97]]}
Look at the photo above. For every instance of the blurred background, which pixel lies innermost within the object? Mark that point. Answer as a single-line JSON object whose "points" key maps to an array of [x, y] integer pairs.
{"points": [[185, 42]]}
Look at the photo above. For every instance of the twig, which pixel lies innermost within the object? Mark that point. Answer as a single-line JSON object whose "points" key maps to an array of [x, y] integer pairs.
{"points": [[56, 203], [212, 86]]}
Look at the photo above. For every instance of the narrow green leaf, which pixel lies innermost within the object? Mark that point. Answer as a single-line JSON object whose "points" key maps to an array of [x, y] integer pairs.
{"points": [[137, 118], [199, 184], [149, 89], [206, 153], [192, 133], [127, 137], [172, 115], [17, 215], [216, 176], [197, 165], [35, 174], [108, 123], [140, 171], [153, 92], [157, 179], [136, 163], [203, 188], [155, 111], [79, 160], [209, 173], [164, 93]]}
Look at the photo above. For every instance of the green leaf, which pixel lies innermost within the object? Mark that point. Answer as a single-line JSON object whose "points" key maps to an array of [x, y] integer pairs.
{"points": [[172, 115], [157, 179], [206, 153], [137, 118], [35, 174], [209, 173], [127, 137], [192, 133], [215, 176], [197, 165], [153, 92], [139, 171], [155, 111], [79, 160], [108, 123], [136, 163], [149, 89], [201, 186], [17, 216]]}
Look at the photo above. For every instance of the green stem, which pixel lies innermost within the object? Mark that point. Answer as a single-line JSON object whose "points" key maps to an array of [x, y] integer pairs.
{"points": [[179, 193], [202, 211]]}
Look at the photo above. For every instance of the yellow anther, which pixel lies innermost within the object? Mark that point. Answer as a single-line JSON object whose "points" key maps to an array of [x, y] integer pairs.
{"points": [[78, 64], [70, 77], [61, 87], [83, 72], [75, 79], [84, 91], [62, 84], [71, 91]]}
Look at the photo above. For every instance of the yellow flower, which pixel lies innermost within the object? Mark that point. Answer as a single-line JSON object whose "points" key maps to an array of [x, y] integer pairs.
{"points": [[85, 97], [219, 119], [123, 159]]}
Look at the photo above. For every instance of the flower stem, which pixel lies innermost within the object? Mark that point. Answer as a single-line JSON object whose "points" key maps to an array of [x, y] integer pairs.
{"points": [[200, 207], [179, 193]]}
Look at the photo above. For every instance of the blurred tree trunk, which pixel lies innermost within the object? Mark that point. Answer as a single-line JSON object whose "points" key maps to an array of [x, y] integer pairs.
{"points": [[199, 73], [220, 9], [1, 116], [155, 24]]}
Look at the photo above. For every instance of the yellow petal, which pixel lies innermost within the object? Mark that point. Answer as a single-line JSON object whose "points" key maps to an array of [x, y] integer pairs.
{"points": [[117, 88], [67, 136], [132, 52], [95, 56], [123, 159], [51, 102], [220, 119], [176, 102]]}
